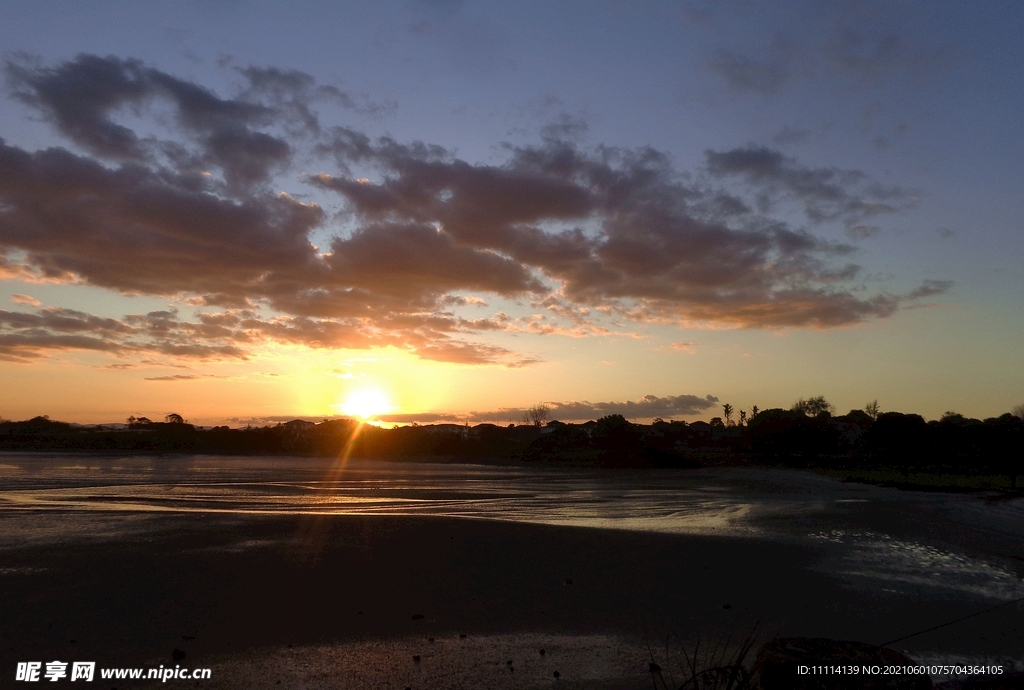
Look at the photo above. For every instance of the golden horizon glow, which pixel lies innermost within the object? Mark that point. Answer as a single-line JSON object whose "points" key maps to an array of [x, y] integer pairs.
{"points": [[365, 403]]}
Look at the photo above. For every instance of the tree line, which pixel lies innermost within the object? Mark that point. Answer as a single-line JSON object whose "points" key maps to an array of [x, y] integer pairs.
{"points": [[809, 434]]}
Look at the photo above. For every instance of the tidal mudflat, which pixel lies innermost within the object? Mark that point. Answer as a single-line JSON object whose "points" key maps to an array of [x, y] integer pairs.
{"points": [[313, 573]]}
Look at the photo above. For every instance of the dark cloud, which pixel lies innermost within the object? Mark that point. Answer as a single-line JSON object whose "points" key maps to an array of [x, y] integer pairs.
{"points": [[62, 321], [28, 346], [799, 41], [27, 336], [427, 259], [819, 308], [565, 127], [261, 421], [82, 98], [930, 288], [423, 418], [870, 52], [647, 244], [132, 229], [245, 137], [233, 335], [748, 74], [826, 193], [862, 232], [593, 237], [791, 135], [648, 407]]}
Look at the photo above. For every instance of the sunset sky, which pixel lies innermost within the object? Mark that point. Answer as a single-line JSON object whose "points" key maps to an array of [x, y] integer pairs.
{"points": [[250, 211]]}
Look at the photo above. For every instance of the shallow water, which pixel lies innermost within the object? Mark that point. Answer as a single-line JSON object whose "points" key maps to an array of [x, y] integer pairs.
{"points": [[964, 545]]}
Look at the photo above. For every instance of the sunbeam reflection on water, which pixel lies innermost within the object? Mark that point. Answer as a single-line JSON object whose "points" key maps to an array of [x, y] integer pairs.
{"points": [[926, 541], [664, 502]]}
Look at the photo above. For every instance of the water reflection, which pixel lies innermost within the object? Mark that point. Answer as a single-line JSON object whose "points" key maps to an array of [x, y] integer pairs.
{"points": [[872, 537], [667, 502]]}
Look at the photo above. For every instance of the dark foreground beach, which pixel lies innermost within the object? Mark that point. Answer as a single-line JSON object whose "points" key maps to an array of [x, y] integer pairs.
{"points": [[336, 601], [349, 601]]}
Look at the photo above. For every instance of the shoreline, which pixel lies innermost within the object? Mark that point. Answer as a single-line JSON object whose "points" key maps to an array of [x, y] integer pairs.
{"points": [[947, 482], [888, 476]]}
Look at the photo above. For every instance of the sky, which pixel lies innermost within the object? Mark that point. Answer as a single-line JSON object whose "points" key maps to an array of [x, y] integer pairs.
{"points": [[246, 212]]}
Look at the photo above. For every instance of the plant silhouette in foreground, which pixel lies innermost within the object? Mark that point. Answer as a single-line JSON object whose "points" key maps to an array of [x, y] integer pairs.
{"points": [[718, 666]]}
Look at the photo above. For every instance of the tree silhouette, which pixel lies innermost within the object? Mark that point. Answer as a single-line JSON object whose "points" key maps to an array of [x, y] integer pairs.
{"points": [[1018, 412], [812, 407], [537, 415], [174, 418], [872, 409], [727, 412], [614, 433], [743, 417]]}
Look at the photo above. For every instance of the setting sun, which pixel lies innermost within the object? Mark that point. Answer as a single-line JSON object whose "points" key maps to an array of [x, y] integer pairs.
{"points": [[366, 403]]}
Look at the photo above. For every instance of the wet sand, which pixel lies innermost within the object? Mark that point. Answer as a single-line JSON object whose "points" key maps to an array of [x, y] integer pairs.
{"points": [[346, 601]]}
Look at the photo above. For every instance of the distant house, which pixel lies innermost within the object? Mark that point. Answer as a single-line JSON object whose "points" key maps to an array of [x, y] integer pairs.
{"points": [[297, 427], [481, 430], [701, 433], [299, 424], [850, 432], [551, 426], [453, 429]]}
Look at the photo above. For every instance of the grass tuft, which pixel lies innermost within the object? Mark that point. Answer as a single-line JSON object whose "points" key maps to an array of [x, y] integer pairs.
{"points": [[721, 665]]}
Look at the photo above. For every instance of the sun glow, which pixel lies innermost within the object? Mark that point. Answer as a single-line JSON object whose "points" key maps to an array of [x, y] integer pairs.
{"points": [[366, 403]]}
